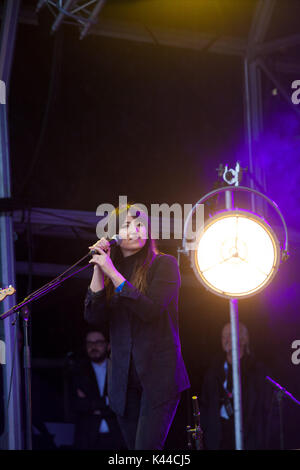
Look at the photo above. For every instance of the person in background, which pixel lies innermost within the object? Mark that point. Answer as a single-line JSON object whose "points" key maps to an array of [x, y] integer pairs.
{"points": [[96, 426], [217, 415]]}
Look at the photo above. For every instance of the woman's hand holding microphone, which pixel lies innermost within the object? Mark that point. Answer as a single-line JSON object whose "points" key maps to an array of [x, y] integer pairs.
{"points": [[101, 259], [103, 265]]}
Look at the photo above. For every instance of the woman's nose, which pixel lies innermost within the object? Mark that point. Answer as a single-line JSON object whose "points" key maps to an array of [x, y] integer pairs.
{"points": [[132, 231]]}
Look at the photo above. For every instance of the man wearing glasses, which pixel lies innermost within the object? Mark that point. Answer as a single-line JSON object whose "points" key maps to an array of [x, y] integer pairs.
{"points": [[96, 425]]}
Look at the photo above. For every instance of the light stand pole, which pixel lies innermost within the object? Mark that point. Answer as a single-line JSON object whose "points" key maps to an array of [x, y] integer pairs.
{"points": [[234, 324], [232, 249], [236, 374]]}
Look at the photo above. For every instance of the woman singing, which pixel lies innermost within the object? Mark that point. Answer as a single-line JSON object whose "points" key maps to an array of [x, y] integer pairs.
{"points": [[134, 290]]}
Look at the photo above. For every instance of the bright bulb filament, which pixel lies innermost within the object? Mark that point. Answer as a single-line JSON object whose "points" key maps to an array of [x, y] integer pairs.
{"points": [[237, 254]]}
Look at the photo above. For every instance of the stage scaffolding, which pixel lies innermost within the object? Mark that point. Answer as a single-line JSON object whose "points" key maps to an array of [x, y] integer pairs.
{"points": [[252, 51]]}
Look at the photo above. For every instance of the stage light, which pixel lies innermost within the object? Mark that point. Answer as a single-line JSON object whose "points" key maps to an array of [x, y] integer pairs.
{"points": [[238, 254], [235, 254]]}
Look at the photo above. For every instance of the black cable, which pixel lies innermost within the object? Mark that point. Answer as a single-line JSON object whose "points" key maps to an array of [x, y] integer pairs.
{"points": [[57, 48], [29, 248]]}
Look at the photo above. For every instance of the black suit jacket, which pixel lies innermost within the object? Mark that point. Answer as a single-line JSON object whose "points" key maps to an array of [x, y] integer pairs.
{"points": [[255, 404], [143, 327], [87, 423]]}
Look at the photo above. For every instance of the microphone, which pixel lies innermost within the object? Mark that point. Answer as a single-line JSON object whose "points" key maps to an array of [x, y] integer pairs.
{"points": [[113, 241]]}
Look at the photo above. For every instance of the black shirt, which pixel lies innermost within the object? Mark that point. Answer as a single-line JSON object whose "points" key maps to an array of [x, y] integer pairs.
{"points": [[126, 267]]}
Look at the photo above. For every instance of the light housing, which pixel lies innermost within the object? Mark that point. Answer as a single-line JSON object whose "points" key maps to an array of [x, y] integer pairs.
{"points": [[237, 254]]}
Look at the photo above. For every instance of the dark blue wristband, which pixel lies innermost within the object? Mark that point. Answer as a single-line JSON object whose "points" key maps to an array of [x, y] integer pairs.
{"points": [[120, 287]]}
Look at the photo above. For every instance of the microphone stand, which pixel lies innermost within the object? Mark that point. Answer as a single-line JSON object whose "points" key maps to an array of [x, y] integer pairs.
{"points": [[25, 313], [44, 290], [23, 309], [281, 392], [195, 433]]}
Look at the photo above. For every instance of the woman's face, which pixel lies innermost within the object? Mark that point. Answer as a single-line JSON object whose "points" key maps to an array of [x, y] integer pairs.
{"points": [[133, 233]]}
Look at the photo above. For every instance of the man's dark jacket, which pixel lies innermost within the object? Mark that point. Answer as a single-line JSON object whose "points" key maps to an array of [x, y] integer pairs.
{"points": [[87, 423], [143, 328], [255, 404]]}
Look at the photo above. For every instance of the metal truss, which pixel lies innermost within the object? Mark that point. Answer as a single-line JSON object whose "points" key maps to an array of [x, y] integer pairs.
{"points": [[67, 224], [82, 13], [253, 93], [253, 51], [11, 438], [254, 64]]}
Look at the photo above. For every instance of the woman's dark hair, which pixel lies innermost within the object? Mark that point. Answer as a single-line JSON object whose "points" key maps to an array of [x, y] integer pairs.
{"points": [[147, 254]]}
